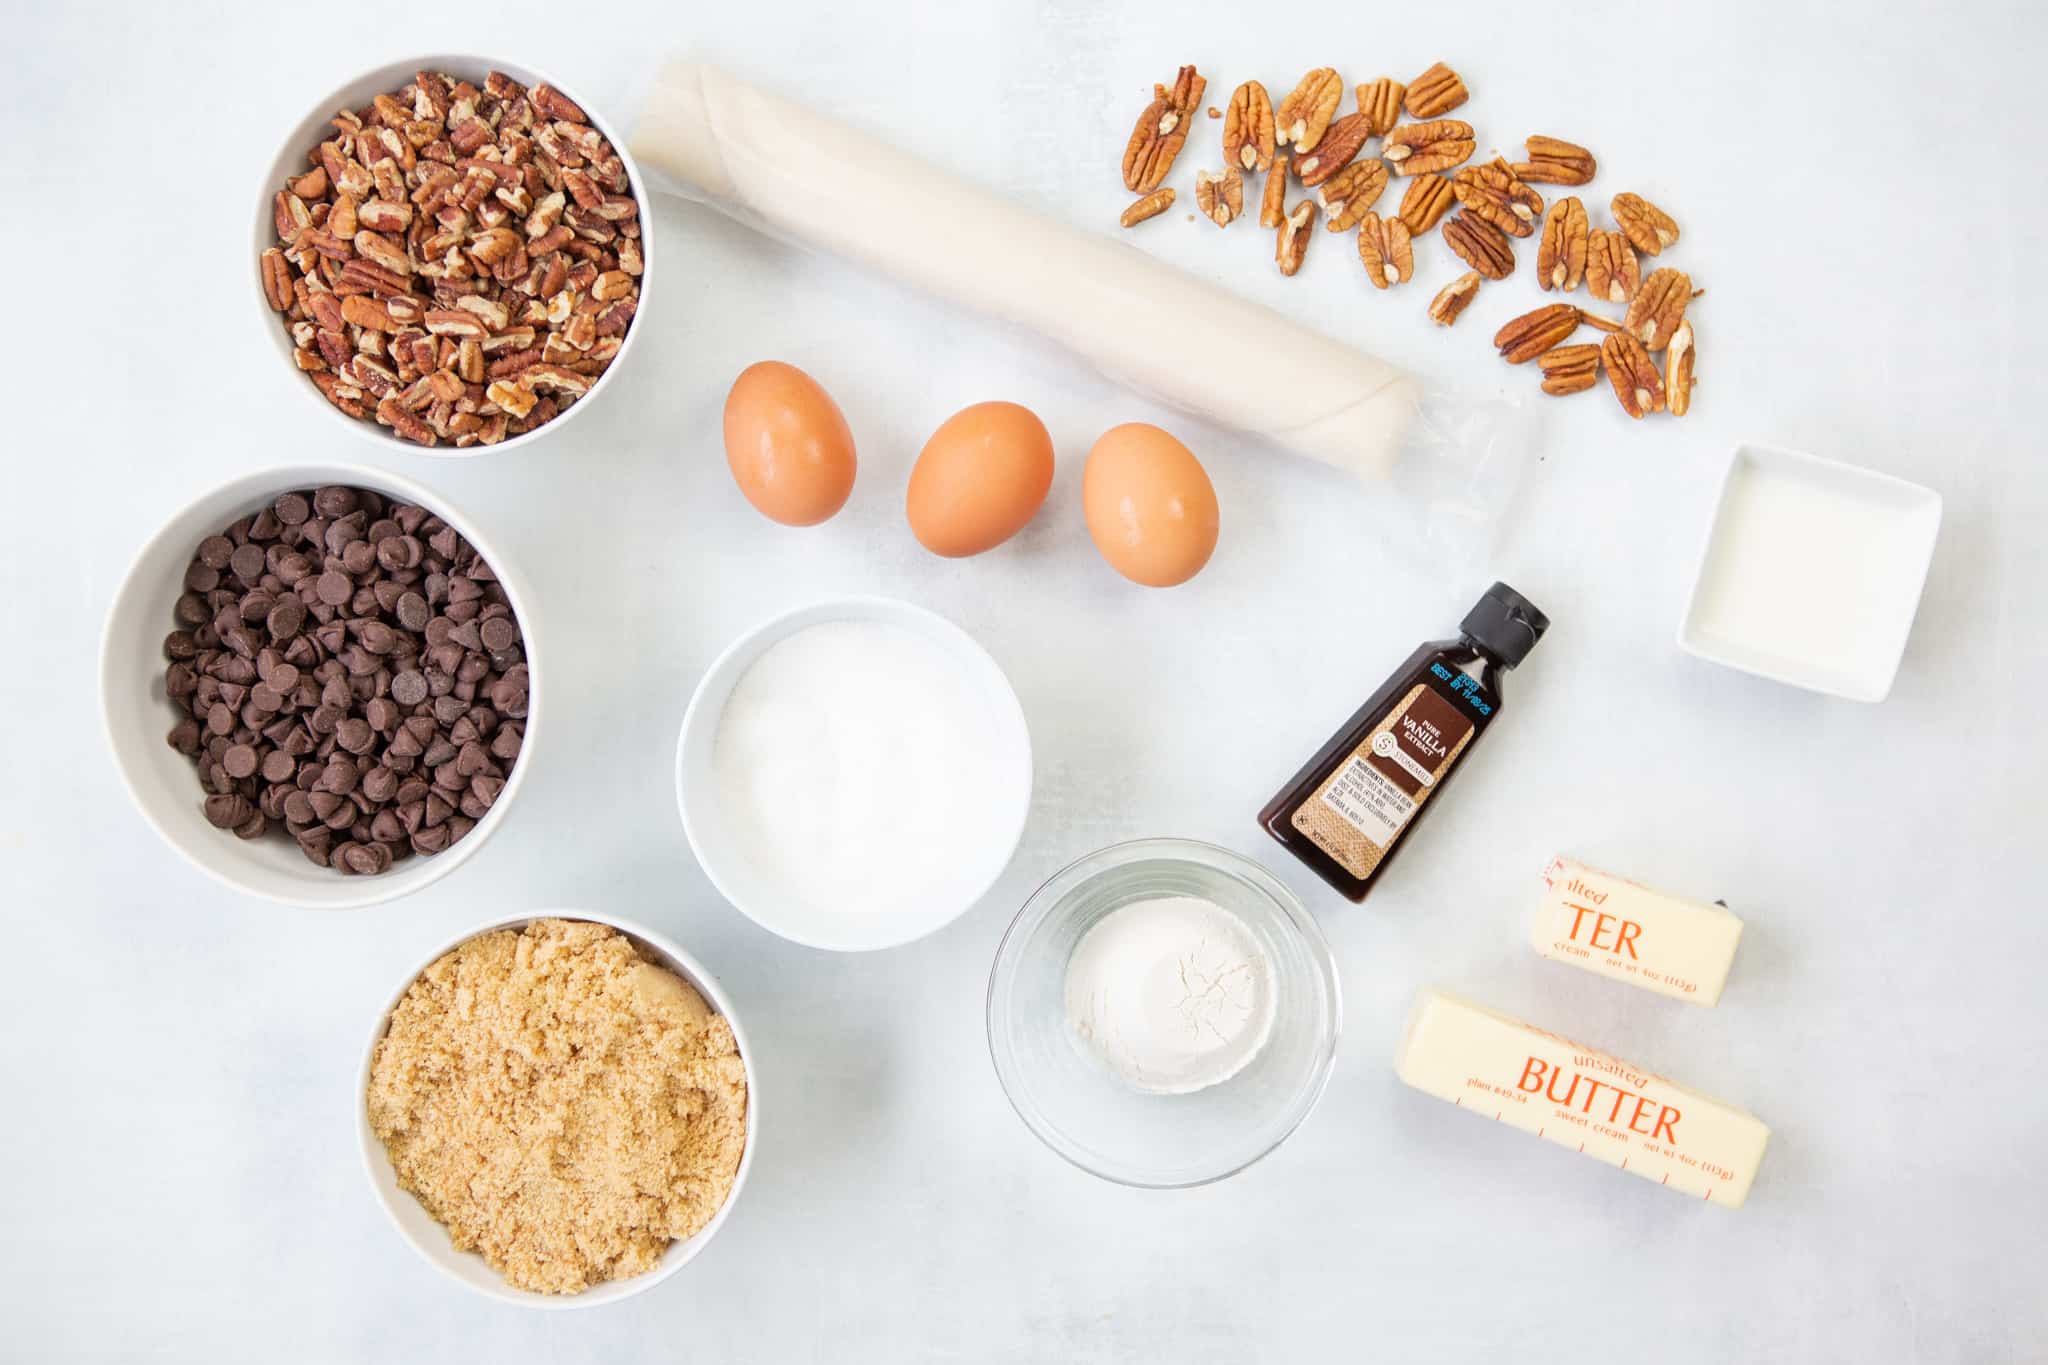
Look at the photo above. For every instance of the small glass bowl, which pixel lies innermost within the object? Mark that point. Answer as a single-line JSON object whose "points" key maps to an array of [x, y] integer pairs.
{"points": [[1082, 1111]]}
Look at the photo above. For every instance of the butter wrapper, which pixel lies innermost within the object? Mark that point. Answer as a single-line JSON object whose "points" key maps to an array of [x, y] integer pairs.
{"points": [[1618, 929]]}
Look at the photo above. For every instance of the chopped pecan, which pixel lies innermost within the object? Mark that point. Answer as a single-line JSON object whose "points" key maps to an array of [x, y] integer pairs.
{"points": [[1637, 385], [1492, 192], [311, 185], [1570, 369], [1561, 255], [1290, 245], [1530, 335], [1350, 193], [1380, 102], [1384, 248], [1273, 203], [1611, 271], [1248, 128], [1678, 365], [1306, 112], [1333, 152], [1553, 161], [1649, 228], [367, 313], [1220, 195], [392, 414], [1429, 198], [1148, 206], [1658, 307], [551, 103], [1454, 298], [1416, 148], [513, 398], [277, 280], [1601, 324], [1436, 91], [1161, 130], [1481, 245]]}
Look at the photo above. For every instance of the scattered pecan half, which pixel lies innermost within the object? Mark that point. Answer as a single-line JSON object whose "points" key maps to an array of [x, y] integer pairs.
{"points": [[1436, 91], [1273, 203], [1220, 194], [1308, 109], [1161, 130], [1492, 192], [1380, 102], [1384, 249], [1611, 271], [1678, 365], [1290, 245], [1350, 194], [1561, 255], [1649, 228], [1454, 298], [1248, 128], [1428, 199], [1658, 307], [1637, 385], [1569, 369], [1533, 333], [1480, 245], [1417, 148], [444, 221], [1148, 206], [1553, 161], [1333, 151]]}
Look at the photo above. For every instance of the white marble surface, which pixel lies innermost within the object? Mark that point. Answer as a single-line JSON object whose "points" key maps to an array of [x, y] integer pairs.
{"points": [[180, 1178]]}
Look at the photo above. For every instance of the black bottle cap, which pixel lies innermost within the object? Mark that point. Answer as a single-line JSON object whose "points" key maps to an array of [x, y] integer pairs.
{"points": [[1505, 624]]}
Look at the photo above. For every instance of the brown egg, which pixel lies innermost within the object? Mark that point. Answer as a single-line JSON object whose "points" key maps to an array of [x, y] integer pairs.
{"points": [[980, 478], [788, 444], [1150, 506]]}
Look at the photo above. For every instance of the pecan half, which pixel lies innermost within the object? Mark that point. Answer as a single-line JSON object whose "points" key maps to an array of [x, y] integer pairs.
{"points": [[277, 279], [1480, 245], [1380, 102], [1530, 335], [1658, 308], [1569, 369], [1150, 206], [1436, 91], [1161, 130], [1561, 256], [1248, 128], [1333, 152], [1492, 192], [1553, 161], [1384, 248], [1428, 199], [1417, 148], [1350, 194], [1454, 298], [1611, 271], [1273, 203], [1637, 385], [1649, 228], [1678, 363], [1290, 246], [1308, 109], [1220, 194]]}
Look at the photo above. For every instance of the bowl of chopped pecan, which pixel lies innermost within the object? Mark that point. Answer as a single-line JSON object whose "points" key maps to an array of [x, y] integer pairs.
{"points": [[450, 252]]}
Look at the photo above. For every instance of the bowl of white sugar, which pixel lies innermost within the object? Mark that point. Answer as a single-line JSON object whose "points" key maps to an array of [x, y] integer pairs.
{"points": [[1163, 1013], [854, 774]]}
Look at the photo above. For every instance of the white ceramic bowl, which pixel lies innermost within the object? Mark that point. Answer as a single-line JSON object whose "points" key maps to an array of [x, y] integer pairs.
{"points": [[138, 715], [734, 873], [430, 1239], [314, 129]]}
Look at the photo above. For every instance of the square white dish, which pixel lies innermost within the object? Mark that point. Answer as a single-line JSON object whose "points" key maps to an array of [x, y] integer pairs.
{"points": [[1811, 572]]}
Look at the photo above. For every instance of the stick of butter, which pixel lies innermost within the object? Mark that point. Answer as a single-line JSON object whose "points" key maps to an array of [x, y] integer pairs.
{"points": [[1630, 933], [1580, 1097]]}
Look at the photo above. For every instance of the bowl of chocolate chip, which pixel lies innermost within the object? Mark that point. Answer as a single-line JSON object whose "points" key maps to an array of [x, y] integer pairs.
{"points": [[449, 254], [319, 685]]}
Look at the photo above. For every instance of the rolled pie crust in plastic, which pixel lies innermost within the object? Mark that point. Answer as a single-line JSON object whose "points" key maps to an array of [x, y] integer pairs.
{"points": [[1178, 339]]}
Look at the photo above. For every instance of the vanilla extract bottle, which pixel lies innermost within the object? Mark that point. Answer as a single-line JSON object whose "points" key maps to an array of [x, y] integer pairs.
{"points": [[1346, 813]]}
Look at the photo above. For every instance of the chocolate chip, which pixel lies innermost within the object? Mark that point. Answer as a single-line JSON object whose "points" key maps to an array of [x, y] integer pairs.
{"points": [[215, 551], [409, 688], [334, 501], [247, 562], [240, 761], [292, 509], [356, 735], [335, 588], [499, 634], [277, 766]]}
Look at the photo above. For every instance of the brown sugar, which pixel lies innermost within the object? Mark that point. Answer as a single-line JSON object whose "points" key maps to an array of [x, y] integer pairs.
{"points": [[560, 1104]]}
